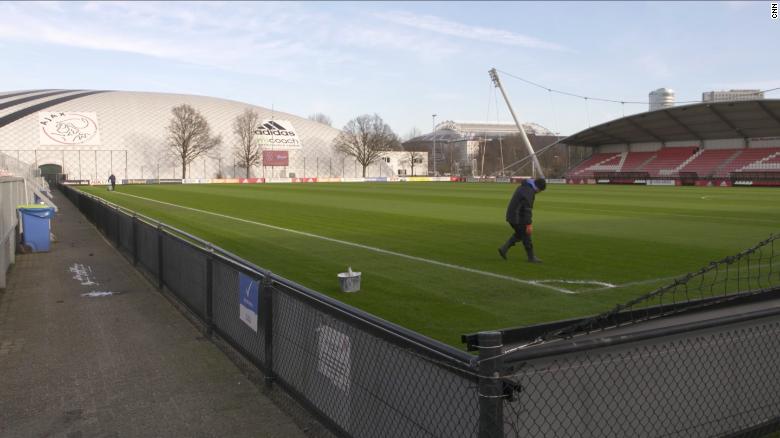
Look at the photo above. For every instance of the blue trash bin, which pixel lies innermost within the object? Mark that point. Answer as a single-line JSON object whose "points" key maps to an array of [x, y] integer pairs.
{"points": [[36, 226]]}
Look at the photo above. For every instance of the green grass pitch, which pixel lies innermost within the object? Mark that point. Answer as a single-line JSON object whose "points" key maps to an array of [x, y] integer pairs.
{"points": [[453, 281]]}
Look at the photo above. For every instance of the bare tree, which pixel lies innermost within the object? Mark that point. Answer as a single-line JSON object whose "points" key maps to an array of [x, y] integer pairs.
{"points": [[189, 135], [247, 151], [366, 138], [321, 118], [412, 157]]}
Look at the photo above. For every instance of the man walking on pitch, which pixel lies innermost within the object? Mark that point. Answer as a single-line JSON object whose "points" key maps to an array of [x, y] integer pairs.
{"points": [[518, 214]]}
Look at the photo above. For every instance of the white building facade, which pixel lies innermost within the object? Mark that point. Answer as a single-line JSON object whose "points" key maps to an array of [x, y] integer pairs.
{"points": [[731, 95]]}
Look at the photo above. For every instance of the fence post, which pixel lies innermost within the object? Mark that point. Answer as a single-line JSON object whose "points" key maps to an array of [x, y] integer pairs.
{"points": [[134, 222], [209, 292], [118, 229], [160, 265], [267, 308], [491, 406]]}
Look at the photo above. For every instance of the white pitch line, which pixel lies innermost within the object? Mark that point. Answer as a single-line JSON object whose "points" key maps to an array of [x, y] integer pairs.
{"points": [[634, 283], [650, 280], [596, 282], [366, 247]]}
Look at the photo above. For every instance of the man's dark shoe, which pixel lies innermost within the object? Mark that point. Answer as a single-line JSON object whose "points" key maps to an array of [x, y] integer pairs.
{"points": [[502, 253], [533, 259]]}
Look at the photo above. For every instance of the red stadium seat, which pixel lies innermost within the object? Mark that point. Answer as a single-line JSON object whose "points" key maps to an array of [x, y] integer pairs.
{"points": [[758, 159]]}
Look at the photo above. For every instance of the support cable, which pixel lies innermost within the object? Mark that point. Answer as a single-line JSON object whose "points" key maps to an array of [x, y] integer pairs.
{"points": [[602, 99]]}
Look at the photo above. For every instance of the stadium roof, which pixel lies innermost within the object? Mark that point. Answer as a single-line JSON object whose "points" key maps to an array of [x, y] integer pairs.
{"points": [[700, 121], [458, 131]]}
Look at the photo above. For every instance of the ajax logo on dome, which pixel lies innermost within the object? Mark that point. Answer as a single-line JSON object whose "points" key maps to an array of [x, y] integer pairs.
{"points": [[73, 128]]}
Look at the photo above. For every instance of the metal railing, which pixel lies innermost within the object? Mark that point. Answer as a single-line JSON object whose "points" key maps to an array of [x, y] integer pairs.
{"points": [[35, 185], [12, 193]]}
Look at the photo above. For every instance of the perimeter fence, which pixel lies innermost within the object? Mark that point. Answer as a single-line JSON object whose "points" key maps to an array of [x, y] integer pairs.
{"points": [[13, 192], [157, 163], [696, 357], [360, 375], [707, 374]]}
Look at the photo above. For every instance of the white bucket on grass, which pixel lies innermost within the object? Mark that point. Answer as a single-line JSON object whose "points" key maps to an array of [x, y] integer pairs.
{"points": [[349, 281]]}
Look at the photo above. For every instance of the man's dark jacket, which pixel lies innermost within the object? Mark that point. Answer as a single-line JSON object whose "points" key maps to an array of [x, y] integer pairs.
{"points": [[519, 210]]}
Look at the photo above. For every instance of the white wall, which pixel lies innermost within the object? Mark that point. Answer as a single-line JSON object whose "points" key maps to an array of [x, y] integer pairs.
{"points": [[399, 160], [683, 144], [729, 143], [612, 148], [764, 142], [645, 147]]}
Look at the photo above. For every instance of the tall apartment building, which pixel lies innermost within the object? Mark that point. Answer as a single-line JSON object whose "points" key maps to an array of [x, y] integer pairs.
{"points": [[661, 98]]}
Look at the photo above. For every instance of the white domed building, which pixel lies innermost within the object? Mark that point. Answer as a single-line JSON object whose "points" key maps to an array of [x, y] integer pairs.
{"points": [[90, 134]]}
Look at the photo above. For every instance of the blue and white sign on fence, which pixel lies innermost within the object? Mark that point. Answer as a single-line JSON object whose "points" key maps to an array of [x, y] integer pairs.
{"points": [[248, 292]]}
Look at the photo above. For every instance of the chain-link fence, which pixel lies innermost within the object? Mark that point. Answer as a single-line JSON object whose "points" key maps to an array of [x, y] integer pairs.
{"points": [[361, 376], [157, 163], [716, 379], [752, 271], [693, 358], [710, 375]]}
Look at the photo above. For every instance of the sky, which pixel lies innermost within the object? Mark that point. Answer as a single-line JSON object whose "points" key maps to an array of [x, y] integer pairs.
{"points": [[402, 60]]}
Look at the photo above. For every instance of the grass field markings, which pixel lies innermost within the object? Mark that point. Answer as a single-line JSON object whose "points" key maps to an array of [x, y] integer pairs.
{"points": [[655, 280], [633, 283], [366, 247], [595, 282], [653, 213]]}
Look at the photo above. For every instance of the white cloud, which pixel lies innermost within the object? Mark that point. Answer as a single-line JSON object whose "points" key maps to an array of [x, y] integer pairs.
{"points": [[370, 37], [279, 40], [200, 34], [451, 28]]}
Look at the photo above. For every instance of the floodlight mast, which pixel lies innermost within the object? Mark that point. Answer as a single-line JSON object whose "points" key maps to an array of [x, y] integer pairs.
{"points": [[536, 168]]}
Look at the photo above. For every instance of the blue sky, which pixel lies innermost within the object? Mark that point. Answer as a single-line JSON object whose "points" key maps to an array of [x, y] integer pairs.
{"points": [[404, 61]]}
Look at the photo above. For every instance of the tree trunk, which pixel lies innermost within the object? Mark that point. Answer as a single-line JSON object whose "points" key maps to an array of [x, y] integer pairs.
{"points": [[247, 170], [412, 167], [364, 170], [183, 170]]}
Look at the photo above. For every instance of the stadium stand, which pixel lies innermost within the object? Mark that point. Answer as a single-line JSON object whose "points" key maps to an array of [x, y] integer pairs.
{"points": [[705, 144], [654, 163], [749, 160], [707, 161], [635, 160], [773, 163], [666, 160], [585, 169], [673, 161]]}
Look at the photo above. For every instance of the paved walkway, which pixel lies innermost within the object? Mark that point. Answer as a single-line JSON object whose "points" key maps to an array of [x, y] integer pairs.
{"points": [[128, 364]]}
